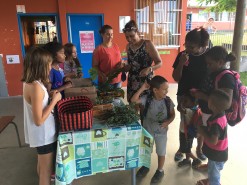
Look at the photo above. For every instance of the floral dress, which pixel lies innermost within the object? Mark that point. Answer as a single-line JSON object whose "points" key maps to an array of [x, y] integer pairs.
{"points": [[138, 60]]}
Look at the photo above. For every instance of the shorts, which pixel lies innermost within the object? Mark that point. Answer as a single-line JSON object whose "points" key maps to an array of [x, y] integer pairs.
{"points": [[185, 143], [46, 149], [160, 136]]}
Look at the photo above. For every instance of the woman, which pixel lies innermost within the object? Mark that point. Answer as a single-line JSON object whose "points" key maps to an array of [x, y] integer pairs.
{"points": [[141, 55], [107, 57]]}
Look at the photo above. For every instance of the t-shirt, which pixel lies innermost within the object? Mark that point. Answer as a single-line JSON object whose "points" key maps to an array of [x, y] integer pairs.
{"points": [[217, 126], [227, 81], [193, 74], [157, 111], [108, 58], [56, 78]]}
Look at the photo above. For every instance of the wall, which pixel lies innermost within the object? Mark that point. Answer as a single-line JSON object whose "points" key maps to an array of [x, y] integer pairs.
{"points": [[112, 9]]}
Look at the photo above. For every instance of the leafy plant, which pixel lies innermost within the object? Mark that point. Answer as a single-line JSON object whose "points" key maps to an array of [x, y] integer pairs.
{"points": [[125, 114], [93, 72]]}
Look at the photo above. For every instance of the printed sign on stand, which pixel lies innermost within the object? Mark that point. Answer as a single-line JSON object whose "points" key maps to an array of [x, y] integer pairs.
{"points": [[87, 42]]}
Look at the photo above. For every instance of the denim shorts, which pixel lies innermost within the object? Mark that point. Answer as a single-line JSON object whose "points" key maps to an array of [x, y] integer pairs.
{"points": [[46, 149]]}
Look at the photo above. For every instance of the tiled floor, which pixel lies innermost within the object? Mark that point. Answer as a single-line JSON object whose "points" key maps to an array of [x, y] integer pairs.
{"points": [[18, 165]]}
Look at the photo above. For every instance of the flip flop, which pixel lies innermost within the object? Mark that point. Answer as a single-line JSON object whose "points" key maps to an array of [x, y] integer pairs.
{"points": [[201, 167], [202, 182]]}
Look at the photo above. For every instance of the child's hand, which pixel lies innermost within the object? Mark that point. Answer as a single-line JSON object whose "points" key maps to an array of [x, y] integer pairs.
{"points": [[184, 58], [56, 96], [164, 124], [145, 86]]}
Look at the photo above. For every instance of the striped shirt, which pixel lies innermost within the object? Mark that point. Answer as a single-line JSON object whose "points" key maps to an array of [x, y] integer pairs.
{"points": [[217, 126]]}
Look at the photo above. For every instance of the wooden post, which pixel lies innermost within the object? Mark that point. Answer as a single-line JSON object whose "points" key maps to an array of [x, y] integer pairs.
{"points": [[238, 33]]}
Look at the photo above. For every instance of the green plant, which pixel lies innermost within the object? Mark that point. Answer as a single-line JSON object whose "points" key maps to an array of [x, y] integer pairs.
{"points": [[125, 114], [93, 72]]}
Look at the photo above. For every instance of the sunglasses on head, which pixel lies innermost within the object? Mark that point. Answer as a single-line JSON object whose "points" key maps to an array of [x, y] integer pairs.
{"points": [[129, 29]]}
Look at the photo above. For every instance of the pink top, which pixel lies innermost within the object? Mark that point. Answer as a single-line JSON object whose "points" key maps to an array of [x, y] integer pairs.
{"points": [[108, 58]]}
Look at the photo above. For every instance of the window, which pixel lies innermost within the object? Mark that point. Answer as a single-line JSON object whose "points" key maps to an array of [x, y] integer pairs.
{"points": [[159, 21]]}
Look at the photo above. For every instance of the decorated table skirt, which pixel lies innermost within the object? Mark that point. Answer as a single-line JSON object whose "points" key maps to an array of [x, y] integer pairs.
{"points": [[102, 149]]}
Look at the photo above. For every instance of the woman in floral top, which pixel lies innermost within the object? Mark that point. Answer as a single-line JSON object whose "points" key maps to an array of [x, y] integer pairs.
{"points": [[141, 55]]}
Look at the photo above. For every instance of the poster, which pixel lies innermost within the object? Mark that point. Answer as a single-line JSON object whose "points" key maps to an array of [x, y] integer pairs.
{"points": [[87, 42], [12, 59]]}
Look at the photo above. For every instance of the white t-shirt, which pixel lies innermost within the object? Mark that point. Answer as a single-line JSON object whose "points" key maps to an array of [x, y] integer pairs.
{"points": [[41, 135]]}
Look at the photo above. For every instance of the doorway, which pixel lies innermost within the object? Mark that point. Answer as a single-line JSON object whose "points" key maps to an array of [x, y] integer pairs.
{"points": [[83, 32], [37, 30]]}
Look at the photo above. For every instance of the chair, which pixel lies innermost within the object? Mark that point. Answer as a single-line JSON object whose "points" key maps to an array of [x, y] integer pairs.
{"points": [[5, 121]]}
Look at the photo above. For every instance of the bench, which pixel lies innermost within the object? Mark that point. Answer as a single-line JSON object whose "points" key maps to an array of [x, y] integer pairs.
{"points": [[5, 121]]}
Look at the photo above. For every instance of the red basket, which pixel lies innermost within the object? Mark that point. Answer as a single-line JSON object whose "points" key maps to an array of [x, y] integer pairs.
{"points": [[75, 113]]}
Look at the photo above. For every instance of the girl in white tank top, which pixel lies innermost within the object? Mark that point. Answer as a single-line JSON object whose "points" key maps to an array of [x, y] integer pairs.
{"points": [[39, 123]]}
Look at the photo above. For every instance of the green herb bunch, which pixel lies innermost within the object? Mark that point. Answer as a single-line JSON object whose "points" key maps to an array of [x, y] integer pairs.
{"points": [[125, 114], [93, 72]]}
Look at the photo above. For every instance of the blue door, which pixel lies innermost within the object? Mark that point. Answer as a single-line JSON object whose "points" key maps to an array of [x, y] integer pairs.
{"points": [[78, 26]]}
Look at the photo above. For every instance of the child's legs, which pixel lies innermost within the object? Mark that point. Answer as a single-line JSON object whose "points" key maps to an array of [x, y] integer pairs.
{"points": [[160, 139], [45, 164], [214, 169], [185, 144]]}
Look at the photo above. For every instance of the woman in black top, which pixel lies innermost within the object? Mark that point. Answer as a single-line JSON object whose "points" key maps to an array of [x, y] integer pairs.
{"points": [[190, 69]]}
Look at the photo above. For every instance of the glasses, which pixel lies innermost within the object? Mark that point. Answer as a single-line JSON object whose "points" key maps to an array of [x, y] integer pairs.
{"points": [[130, 29]]}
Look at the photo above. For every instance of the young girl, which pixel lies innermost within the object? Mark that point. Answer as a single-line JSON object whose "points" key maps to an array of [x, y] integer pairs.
{"points": [[190, 69], [191, 116], [215, 144], [57, 80], [72, 66], [39, 124], [159, 114], [216, 59]]}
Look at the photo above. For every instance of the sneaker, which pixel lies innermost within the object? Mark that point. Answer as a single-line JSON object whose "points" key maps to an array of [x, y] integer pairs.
{"points": [[196, 162], [178, 156], [184, 163], [200, 155], [142, 172], [157, 176]]}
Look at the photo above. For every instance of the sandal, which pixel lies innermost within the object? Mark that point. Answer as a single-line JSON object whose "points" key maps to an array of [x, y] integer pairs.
{"points": [[196, 162], [200, 155], [201, 167], [178, 156], [203, 182]]}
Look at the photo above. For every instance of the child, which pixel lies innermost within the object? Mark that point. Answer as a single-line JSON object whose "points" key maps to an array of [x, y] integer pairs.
{"points": [[190, 117], [215, 145], [72, 66], [39, 123], [157, 117], [57, 80], [216, 59]]}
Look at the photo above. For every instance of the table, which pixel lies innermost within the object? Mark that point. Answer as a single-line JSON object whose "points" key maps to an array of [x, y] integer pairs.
{"points": [[104, 148]]}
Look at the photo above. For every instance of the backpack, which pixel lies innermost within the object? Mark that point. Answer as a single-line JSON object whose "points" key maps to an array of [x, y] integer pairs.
{"points": [[237, 110], [167, 100]]}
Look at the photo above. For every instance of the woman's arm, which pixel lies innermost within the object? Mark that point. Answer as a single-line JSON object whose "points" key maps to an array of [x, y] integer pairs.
{"points": [[37, 95], [153, 53], [177, 72]]}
